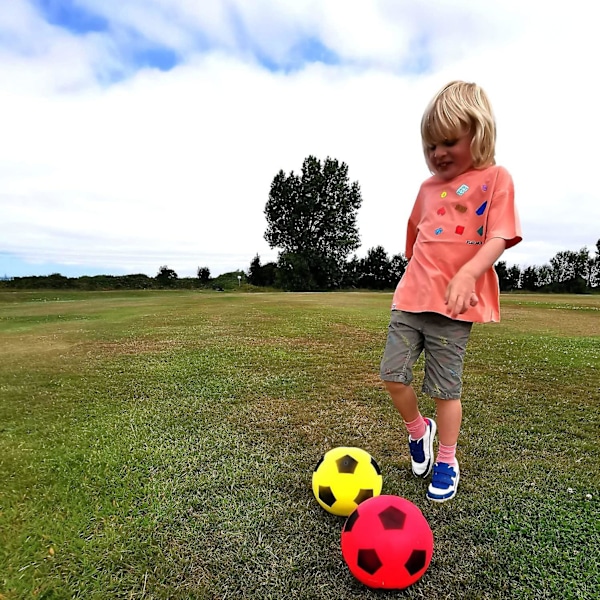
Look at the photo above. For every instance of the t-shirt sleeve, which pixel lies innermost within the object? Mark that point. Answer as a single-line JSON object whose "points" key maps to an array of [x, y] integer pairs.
{"points": [[503, 218]]}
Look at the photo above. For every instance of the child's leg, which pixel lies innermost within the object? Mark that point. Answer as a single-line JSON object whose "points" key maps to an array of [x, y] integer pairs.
{"points": [[445, 344], [403, 347], [449, 419], [404, 399]]}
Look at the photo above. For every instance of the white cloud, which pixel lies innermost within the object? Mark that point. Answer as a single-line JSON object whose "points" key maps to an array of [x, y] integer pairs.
{"points": [[175, 167]]}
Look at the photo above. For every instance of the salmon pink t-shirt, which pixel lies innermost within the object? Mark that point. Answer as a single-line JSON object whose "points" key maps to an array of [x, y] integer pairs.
{"points": [[449, 223]]}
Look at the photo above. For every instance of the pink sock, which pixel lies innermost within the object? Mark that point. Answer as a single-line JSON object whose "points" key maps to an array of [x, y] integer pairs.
{"points": [[416, 428], [447, 454]]}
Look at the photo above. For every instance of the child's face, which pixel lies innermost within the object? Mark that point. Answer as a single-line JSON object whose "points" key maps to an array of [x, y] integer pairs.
{"points": [[451, 158]]}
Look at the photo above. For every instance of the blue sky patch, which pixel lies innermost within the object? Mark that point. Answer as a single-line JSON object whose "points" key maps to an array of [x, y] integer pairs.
{"points": [[155, 56], [12, 265], [307, 51], [419, 60], [312, 50], [68, 15]]}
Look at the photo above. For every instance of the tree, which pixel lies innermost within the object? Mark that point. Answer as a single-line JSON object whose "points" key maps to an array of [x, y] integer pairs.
{"points": [[166, 276], [529, 279], [262, 275], [544, 275], [398, 265], [568, 265], [311, 218], [254, 271], [376, 269], [502, 273], [594, 268], [351, 274], [203, 274], [514, 278]]}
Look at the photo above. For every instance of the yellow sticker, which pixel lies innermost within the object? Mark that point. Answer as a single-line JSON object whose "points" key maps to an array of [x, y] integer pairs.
{"points": [[444, 194]]}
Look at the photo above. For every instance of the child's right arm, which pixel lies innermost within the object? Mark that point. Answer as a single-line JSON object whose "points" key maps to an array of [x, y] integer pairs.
{"points": [[460, 293]]}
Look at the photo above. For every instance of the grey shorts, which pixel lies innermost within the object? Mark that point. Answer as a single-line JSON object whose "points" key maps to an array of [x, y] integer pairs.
{"points": [[444, 341]]}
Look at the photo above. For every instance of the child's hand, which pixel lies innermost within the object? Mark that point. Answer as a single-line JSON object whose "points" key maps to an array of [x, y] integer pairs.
{"points": [[460, 295]]}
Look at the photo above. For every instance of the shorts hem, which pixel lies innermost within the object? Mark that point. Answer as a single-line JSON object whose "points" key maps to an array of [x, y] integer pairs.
{"points": [[395, 378], [441, 396]]}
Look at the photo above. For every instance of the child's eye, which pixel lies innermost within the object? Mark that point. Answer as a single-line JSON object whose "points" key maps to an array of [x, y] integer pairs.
{"points": [[450, 143], [431, 148]]}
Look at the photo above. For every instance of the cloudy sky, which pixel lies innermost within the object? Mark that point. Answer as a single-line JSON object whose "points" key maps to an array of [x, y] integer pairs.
{"points": [[141, 133]]}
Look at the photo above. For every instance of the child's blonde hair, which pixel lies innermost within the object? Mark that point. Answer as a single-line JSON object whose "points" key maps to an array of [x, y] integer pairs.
{"points": [[458, 108]]}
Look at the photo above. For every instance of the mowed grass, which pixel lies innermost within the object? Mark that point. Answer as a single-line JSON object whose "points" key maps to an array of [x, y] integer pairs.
{"points": [[161, 445]]}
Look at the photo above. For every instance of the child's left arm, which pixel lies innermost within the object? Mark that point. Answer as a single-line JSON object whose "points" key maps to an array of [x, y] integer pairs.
{"points": [[460, 294]]}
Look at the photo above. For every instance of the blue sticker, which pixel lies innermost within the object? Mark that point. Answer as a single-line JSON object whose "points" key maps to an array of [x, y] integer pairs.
{"points": [[462, 189], [480, 230], [438, 231], [481, 209]]}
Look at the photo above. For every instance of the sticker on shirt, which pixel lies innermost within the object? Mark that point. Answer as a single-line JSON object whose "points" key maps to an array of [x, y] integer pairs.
{"points": [[481, 209], [441, 211], [438, 231], [459, 230], [480, 230], [484, 187], [443, 194], [462, 189], [460, 208]]}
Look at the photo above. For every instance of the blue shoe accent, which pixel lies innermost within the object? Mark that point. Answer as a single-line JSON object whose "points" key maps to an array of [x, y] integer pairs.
{"points": [[444, 482], [421, 450]]}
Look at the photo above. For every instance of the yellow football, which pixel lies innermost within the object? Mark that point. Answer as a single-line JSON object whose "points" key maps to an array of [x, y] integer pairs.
{"points": [[345, 477]]}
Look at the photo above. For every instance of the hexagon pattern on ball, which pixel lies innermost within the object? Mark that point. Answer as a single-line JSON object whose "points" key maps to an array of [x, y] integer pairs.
{"points": [[345, 477], [387, 543]]}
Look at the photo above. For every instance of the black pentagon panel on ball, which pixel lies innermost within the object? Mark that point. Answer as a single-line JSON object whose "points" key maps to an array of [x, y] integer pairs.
{"points": [[368, 561], [416, 561], [346, 464], [375, 466], [392, 518], [351, 520], [363, 495], [326, 495]]}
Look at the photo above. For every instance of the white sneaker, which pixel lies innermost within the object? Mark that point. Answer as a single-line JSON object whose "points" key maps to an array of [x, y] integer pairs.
{"points": [[444, 482], [421, 450]]}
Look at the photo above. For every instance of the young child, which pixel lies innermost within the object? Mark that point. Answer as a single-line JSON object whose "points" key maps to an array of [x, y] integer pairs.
{"points": [[463, 219]]}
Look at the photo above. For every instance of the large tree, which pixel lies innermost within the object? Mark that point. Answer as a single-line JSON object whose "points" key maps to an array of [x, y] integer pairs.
{"points": [[311, 219]]}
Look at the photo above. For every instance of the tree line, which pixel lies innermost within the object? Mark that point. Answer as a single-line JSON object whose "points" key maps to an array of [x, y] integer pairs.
{"points": [[568, 273], [312, 222]]}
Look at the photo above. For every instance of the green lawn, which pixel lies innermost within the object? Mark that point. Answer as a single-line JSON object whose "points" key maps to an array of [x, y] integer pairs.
{"points": [[161, 445]]}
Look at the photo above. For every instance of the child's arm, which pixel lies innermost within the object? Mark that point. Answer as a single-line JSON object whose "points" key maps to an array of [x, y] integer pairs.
{"points": [[460, 291]]}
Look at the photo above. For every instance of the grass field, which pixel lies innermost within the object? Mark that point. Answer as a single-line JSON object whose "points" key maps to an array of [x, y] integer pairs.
{"points": [[161, 445]]}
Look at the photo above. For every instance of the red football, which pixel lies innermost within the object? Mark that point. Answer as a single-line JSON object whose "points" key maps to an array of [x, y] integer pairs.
{"points": [[387, 542]]}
